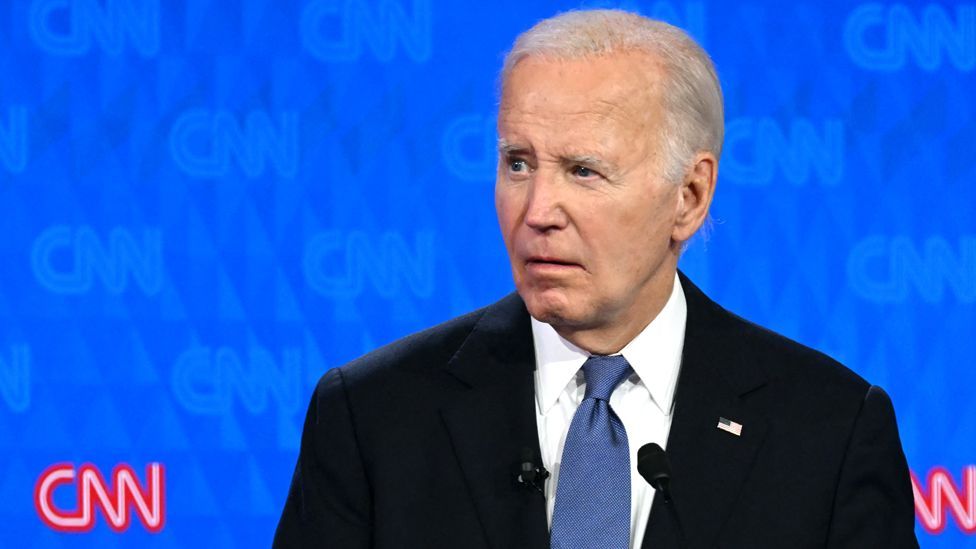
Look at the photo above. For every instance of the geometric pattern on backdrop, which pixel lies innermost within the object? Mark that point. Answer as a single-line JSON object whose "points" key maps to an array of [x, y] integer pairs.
{"points": [[207, 204]]}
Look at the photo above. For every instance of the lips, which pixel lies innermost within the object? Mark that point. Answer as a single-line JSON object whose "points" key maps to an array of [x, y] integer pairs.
{"points": [[554, 260], [550, 263]]}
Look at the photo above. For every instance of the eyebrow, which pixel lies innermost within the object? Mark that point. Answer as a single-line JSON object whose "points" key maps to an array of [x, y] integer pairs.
{"points": [[504, 147], [507, 148], [586, 159]]}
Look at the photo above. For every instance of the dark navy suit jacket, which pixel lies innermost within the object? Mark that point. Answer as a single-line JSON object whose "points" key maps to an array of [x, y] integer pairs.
{"points": [[414, 444]]}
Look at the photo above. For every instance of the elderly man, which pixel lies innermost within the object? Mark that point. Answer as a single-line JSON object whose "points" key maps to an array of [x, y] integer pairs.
{"points": [[610, 129]]}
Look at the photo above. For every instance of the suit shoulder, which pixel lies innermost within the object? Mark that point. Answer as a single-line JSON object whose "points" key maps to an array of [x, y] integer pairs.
{"points": [[418, 352], [784, 359], [765, 354]]}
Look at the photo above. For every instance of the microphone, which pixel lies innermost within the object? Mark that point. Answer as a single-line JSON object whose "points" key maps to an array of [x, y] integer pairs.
{"points": [[530, 474], [653, 465]]}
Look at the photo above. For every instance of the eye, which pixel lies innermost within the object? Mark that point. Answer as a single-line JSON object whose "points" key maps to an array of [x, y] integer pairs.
{"points": [[518, 165], [583, 172]]}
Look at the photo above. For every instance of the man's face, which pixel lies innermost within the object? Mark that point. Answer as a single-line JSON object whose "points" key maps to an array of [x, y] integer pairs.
{"points": [[585, 212]]}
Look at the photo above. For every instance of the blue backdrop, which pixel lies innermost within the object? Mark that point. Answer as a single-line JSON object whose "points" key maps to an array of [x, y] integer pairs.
{"points": [[206, 204]]}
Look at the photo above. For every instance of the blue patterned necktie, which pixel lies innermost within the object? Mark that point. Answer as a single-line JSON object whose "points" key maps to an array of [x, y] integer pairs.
{"points": [[592, 507]]}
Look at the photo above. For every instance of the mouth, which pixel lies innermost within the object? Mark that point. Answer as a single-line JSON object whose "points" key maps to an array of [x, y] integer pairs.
{"points": [[550, 264]]}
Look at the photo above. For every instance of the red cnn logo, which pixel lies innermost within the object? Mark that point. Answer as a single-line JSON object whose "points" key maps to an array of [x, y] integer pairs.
{"points": [[961, 500], [149, 503]]}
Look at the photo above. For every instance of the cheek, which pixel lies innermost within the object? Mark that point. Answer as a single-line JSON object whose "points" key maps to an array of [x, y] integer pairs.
{"points": [[507, 207], [637, 241]]}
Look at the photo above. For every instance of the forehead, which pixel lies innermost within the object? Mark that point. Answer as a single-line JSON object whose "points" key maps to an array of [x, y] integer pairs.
{"points": [[606, 106], [619, 89]]}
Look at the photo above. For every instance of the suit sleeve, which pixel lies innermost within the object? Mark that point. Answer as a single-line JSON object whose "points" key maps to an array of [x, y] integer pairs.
{"points": [[328, 504], [873, 505]]}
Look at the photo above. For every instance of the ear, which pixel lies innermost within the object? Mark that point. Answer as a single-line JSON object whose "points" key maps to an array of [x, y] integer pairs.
{"points": [[695, 196]]}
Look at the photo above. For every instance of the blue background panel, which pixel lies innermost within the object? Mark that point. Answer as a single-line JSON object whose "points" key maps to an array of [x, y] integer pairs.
{"points": [[207, 204]]}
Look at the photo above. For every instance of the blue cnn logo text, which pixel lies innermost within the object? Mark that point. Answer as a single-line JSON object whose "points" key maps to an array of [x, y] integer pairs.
{"points": [[884, 37], [338, 264], [69, 260], [468, 147], [71, 27], [335, 30], [15, 369], [13, 140], [890, 270], [205, 143], [804, 150], [206, 380]]}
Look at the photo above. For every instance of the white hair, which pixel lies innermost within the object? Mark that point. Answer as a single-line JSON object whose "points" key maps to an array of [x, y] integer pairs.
{"points": [[691, 92]]}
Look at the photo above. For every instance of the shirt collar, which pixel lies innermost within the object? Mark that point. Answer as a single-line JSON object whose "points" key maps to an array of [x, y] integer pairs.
{"points": [[654, 354]]}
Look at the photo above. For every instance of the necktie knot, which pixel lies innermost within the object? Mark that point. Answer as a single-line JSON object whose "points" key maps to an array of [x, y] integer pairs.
{"points": [[603, 374]]}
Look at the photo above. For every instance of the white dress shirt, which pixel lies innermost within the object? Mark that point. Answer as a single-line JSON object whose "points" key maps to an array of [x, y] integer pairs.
{"points": [[642, 401]]}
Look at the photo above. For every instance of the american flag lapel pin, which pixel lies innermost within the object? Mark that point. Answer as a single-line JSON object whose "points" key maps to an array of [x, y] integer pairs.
{"points": [[730, 426]]}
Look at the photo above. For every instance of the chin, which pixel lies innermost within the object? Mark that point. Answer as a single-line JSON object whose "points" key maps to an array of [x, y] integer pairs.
{"points": [[551, 306]]}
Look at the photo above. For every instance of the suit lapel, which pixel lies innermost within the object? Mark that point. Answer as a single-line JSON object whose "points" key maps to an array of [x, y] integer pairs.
{"points": [[491, 423], [708, 465]]}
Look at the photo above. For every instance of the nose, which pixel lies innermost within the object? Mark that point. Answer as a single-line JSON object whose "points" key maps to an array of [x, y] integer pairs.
{"points": [[545, 207]]}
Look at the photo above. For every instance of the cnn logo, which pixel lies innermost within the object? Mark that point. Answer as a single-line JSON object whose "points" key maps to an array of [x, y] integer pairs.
{"points": [[115, 499]]}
